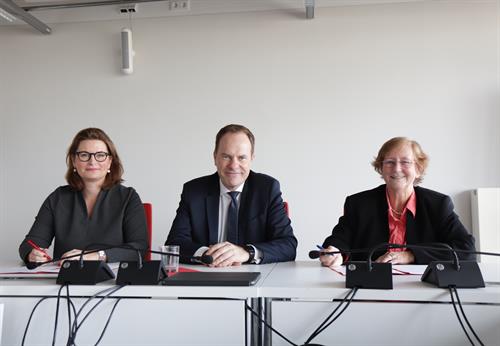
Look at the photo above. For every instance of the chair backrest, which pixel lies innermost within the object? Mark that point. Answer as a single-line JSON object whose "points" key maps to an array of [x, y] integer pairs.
{"points": [[148, 210], [287, 211]]}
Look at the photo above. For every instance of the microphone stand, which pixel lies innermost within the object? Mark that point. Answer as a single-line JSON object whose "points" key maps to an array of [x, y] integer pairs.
{"points": [[366, 274], [464, 274], [445, 274], [149, 272], [138, 272], [84, 272]]}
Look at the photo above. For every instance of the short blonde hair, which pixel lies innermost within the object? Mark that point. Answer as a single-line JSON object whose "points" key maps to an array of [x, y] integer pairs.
{"points": [[421, 158]]}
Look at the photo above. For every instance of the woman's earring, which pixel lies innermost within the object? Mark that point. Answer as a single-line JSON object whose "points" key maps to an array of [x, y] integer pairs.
{"points": [[109, 171], [74, 170]]}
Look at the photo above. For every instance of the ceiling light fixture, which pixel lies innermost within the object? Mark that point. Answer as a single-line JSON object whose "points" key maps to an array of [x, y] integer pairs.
{"points": [[6, 15]]}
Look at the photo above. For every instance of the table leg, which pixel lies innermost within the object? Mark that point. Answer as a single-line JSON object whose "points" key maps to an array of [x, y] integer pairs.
{"points": [[268, 333]]}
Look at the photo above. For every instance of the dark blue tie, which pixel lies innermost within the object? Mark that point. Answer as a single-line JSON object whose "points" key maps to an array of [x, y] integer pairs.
{"points": [[232, 219]]}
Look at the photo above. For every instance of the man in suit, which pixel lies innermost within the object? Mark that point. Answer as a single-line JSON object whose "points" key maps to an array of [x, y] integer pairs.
{"points": [[234, 215]]}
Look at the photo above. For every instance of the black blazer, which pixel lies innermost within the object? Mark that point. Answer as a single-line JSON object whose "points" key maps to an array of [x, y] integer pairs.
{"points": [[365, 224], [262, 220], [118, 218]]}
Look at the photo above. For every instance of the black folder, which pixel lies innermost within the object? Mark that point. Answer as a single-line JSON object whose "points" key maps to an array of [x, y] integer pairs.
{"points": [[212, 279]]}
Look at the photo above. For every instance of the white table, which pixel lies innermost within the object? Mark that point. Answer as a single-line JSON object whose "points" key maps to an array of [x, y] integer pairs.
{"points": [[294, 296], [148, 315], [299, 296]]}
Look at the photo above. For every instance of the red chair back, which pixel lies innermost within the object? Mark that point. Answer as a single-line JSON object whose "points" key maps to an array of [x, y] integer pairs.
{"points": [[148, 210], [287, 211]]}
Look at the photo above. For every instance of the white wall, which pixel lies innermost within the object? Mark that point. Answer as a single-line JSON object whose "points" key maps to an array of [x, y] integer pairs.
{"points": [[320, 95]]}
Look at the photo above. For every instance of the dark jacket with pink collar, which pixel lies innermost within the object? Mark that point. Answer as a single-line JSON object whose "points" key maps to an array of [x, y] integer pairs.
{"points": [[365, 224]]}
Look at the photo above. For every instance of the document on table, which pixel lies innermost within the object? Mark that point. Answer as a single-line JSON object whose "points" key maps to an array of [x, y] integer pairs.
{"points": [[49, 270], [44, 271], [408, 269]]}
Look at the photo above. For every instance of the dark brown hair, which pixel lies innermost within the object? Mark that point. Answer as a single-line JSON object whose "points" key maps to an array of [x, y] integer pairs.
{"points": [[234, 128], [112, 179], [421, 158]]}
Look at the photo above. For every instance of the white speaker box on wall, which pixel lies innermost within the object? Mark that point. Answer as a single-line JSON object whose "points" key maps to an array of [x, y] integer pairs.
{"points": [[127, 51]]}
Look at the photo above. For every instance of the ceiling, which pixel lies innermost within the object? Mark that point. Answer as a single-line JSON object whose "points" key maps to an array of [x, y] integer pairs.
{"points": [[60, 11]]}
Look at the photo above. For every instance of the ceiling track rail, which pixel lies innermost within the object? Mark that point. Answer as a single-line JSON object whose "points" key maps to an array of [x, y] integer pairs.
{"points": [[18, 12], [86, 4], [22, 12]]}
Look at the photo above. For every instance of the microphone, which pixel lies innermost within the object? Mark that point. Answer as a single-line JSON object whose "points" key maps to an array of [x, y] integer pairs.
{"points": [[429, 246], [445, 274], [138, 272], [365, 274], [205, 259], [33, 265], [313, 254], [464, 274], [150, 272], [83, 272]]}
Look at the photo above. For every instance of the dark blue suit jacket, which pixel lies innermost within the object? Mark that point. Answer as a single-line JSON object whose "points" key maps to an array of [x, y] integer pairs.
{"points": [[365, 224], [262, 220]]}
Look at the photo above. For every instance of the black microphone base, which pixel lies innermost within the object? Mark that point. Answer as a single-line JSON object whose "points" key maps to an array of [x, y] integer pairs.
{"points": [[129, 273], [92, 272], [358, 275], [444, 274]]}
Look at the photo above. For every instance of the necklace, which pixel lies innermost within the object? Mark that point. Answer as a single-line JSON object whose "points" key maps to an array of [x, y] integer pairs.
{"points": [[397, 213]]}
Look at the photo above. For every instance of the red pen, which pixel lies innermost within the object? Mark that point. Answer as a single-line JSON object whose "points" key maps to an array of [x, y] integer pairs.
{"points": [[34, 246]]}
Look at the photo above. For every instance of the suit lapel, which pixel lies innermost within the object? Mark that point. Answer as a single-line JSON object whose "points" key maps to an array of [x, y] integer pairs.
{"points": [[212, 205], [411, 222], [410, 229], [244, 208], [383, 211]]}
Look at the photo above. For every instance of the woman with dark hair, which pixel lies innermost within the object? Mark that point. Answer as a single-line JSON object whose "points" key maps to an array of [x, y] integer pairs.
{"points": [[94, 208], [398, 212]]}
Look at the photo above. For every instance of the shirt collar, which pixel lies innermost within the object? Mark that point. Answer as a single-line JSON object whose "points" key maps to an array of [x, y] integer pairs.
{"points": [[411, 205], [224, 190]]}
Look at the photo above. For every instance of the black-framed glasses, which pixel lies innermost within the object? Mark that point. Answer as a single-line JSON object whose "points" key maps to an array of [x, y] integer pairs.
{"points": [[85, 156]]}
